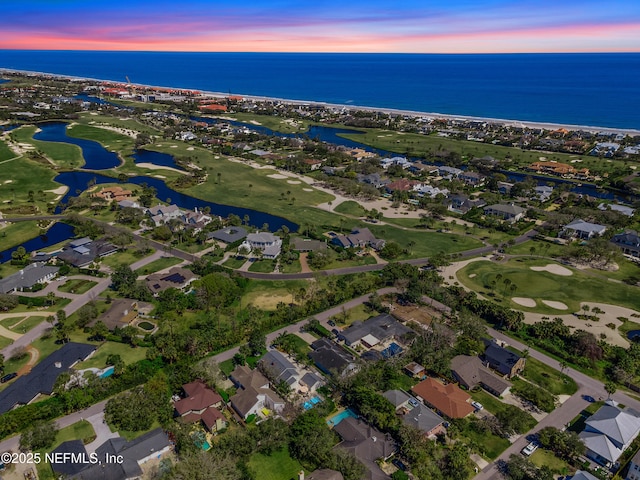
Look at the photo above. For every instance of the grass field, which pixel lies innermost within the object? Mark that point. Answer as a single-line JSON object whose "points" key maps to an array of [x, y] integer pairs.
{"points": [[548, 378], [490, 445], [157, 265], [355, 262], [123, 257], [5, 342], [263, 266], [543, 457], [277, 466], [22, 175], [493, 405], [23, 326], [5, 152], [15, 234], [77, 286], [81, 430], [543, 285], [127, 353], [267, 294], [352, 208], [234, 262], [64, 155]]}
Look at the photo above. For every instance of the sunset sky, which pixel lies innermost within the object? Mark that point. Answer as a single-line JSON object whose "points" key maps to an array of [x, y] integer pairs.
{"points": [[417, 26]]}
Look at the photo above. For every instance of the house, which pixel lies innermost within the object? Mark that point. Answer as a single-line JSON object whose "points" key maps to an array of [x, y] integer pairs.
{"points": [[430, 191], [379, 329], [161, 214], [359, 238], [66, 469], [582, 475], [634, 468], [448, 400], [133, 454], [312, 163], [628, 242], [29, 276], [201, 404], [121, 313], [367, 444], [543, 192], [307, 245], [83, 252], [553, 168], [416, 415], [114, 193], [128, 204], [268, 243], [471, 372], [504, 361], [605, 149], [616, 207], [415, 370], [331, 358], [323, 474], [278, 369], [177, 277], [228, 234], [510, 213], [449, 173], [372, 179], [473, 179], [583, 230], [42, 378], [402, 185], [253, 394], [608, 432], [400, 161], [195, 220], [462, 203]]}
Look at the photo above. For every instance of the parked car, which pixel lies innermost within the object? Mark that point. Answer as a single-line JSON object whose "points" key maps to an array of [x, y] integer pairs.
{"points": [[477, 405], [8, 377], [399, 464], [413, 402], [529, 449], [588, 398], [331, 323]]}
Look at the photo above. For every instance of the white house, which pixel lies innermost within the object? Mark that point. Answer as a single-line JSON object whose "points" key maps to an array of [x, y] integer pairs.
{"points": [[268, 243]]}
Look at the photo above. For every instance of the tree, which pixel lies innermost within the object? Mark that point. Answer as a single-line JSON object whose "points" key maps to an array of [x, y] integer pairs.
{"points": [[257, 342], [309, 439], [39, 435], [610, 387], [1, 364], [99, 331], [123, 278]]}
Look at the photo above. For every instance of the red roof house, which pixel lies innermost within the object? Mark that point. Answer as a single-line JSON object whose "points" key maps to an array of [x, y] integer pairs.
{"points": [[201, 404], [448, 399]]}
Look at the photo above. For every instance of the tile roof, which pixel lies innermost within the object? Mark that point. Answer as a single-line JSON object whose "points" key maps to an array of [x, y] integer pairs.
{"points": [[448, 399]]}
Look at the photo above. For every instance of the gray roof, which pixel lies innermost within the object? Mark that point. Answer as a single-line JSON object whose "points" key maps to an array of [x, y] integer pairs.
{"points": [[279, 368], [27, 277], [43, 376], [68, 467], [629, 238], [383, 327], [621, 426], [509, 209], [330, 357], [396, 397], [601, 445], [305, 245], [582, 475], [325, 474], [79, 242], [82, 255], [228, 234], [471, 372], [422, 418], [310, 379], [262, 237], [500, 358], [580, 225]]}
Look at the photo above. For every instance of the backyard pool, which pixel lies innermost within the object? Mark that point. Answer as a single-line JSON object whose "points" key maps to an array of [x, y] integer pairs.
{"points": [[309, 404], [107, 372], [336, 419]]}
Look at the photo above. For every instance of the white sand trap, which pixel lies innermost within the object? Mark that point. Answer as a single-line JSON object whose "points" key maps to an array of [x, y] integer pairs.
{"points": [[472, 275], [174, 146], [525, 302], [152, 166], [278, 176], [556, 305], [555, 269], [308, 189], [191, 148], [160, 176], [60, 190], [8, 181], [254, 122], [294, 182]]}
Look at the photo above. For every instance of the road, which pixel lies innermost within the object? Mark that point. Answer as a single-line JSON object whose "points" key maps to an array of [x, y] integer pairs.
{"points": [[561, 415]]}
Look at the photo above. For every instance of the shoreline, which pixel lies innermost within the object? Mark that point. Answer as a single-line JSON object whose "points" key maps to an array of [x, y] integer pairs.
{"points": [[430, 115]]}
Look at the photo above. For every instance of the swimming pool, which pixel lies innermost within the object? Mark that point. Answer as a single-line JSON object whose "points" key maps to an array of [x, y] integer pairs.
{"points": [[309, 404], [107, 372], [336, 419]]}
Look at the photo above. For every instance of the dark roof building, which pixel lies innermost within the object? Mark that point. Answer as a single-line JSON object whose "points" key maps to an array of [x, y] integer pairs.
{"points": [[277, 367], [331, 358], [382, 327], [325, 474], [628, 242], [367, 444], [120, 314], [81, 253], [504, 361], [43, 376], [228, 234], [415, 414], [27, 277], [253, 392], [68, 468], [360, 237], [177, 277], [200, 404], [470, 372]]}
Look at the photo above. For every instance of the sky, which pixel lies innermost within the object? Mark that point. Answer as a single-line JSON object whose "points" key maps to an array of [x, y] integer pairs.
{"points": [[410, 26]]}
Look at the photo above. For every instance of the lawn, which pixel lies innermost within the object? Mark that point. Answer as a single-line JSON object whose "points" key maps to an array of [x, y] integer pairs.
{"points": [[234, 262], [266, 294], [77, 286], [544, 457], [263, 266], [277, 466], [293, 267], [542, 285], [494, 405], [15, 234], [123, 257], [548, 378], [22, 175], [157, 265], [5, 342], [127, 353], [352, 208], [489, 445], [355, 262], [81, 430], [27, 324]]}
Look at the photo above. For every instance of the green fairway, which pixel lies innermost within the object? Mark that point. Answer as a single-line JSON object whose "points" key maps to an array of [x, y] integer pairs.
{"points": [[543, 285], [19, 177], [63, 155], [15, 234], [352, 208], [277, 466], [5, 152]]}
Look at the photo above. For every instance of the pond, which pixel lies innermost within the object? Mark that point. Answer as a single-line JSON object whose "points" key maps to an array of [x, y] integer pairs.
{"points": [[634, 335], [156, 158], [56, 234], [148, 326]]}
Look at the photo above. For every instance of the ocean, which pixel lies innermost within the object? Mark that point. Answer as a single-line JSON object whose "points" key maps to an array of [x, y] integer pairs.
{"points": [[598, 90]]}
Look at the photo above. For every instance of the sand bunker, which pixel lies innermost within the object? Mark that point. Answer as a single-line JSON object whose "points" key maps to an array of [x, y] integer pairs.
{"points": [[293, 182], [278, 176], [308, 189], [556, 305], [160, 176], [60, 190], [8, 181], [152, 166], [190, 148], [525, 302], [472, 275], [174, 146], [555, 269]]}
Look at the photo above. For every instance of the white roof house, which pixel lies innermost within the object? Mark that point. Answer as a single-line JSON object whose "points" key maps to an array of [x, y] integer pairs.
{"points": [[584, 230], [267, 242]]}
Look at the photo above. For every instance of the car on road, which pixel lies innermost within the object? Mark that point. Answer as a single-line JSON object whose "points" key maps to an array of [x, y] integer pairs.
{"points": [[588, 398], [331, 323], [477, 405], [8, 376], [529, 449]]}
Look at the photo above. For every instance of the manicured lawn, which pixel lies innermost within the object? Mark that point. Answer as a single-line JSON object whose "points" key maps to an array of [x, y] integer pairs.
{"points": [[77, 286], [542, 285], [494, 405], [548, 378], [264, 266], [351, 208], [28, 324], [277, 466], [127, 353], [542, 248], [14, 234], [10, 322], [355, 262], [5, 342], [293, 267], [133, 435], [235, 262], [157, 265], [544, 457], [81, 430], [5, 152], [490, 445], [26, 175], [125, 257]]}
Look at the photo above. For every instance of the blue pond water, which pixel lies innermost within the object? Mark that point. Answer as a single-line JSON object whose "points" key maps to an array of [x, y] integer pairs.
{"points": [[336, 419], [157, 158], [56, 234], [95, 155], [107, 373]]}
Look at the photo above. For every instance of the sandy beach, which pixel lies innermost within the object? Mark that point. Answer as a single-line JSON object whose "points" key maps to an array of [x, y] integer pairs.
{"points": [[418, 114]]}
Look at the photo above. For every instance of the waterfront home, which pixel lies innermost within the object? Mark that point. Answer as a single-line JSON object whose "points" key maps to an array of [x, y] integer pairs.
{"points": [[616, 207], [359, 238], [82, 252], [509, 213], [449, 173], [628, 242], [473, 179], [268, 243], [228, 234]]}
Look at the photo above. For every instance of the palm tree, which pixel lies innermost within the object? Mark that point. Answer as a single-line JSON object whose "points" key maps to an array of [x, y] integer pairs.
{"points": [[563, 366], [610, 387], [411, 244], [219, 175]]}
